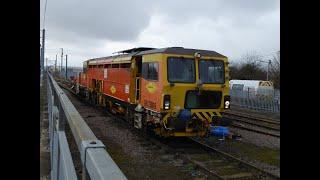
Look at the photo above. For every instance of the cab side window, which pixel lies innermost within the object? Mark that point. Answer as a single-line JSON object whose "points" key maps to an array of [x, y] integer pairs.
{"points": [[150, 70]]}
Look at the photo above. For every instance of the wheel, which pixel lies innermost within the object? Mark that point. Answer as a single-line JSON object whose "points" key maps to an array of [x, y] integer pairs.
{"points": [[149, 129], [130, 119]]}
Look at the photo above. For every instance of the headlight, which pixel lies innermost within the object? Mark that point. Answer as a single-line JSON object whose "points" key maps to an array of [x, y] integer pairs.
{"points": [[166, 102], [197, 55], [167, 105], [227, 102]]}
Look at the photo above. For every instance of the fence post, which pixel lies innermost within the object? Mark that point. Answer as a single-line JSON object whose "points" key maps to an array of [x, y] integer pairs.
{"points": [[246, 102], [265, 105]]}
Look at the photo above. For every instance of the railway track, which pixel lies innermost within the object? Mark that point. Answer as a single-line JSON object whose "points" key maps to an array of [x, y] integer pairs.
{"points": [[214, 162], [257, 172], [218, 164], [254, 124], [245, 115]]}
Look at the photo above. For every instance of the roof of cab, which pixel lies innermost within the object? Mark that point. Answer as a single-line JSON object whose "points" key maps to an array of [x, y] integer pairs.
{"points": [[169, 50], [182, 51]]}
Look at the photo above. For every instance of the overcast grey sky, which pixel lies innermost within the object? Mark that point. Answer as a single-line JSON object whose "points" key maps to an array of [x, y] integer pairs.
{"points": [[96, 28]]}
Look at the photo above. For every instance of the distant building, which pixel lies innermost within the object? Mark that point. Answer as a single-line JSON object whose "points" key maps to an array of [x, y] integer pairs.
{"points": [[252, 87]]}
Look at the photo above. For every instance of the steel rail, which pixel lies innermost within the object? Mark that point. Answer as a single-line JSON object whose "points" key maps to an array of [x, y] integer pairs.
{"points": [[252, 123], [203, 167], [186, 158], [267, 120], [255, 130], [235, 158]]}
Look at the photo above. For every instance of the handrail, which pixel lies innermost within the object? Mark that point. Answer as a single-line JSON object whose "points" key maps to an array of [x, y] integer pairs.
{"points": [[96, 162], [78, 126]]}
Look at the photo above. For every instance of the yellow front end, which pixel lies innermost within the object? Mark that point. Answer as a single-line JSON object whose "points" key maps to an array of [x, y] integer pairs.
{"points": [[182, 96]]}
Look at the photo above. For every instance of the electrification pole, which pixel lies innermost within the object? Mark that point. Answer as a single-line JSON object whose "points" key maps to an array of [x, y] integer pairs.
{"points": [[66, 66], [41, 58], [269, 63], [55, 64], [42, 50], [46, 64], [61, 61]]}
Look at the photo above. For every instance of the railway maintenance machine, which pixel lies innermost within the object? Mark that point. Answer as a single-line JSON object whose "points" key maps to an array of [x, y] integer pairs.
{"points": [[171, 91]]}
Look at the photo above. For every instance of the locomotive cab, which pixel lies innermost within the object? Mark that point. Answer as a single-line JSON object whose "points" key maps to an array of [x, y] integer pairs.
{"points": [[184, 93]]}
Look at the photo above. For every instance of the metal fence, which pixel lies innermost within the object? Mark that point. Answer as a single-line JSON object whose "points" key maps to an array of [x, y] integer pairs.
{"points": [[261, 99], [96, 162]]}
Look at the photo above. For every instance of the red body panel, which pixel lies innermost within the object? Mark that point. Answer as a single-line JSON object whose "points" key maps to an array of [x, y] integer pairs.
{"points": [[116, 81], [82, 79]]}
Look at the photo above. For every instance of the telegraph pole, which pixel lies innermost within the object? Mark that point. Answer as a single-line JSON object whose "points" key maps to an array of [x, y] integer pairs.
{"points": [[66, 66], [42, 50], [61, 61], [41, 57], [55, 64], [269, 63], [46, 64]]}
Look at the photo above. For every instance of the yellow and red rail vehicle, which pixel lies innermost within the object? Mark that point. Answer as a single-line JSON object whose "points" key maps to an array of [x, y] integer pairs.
{"points": [[170, 91]]}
